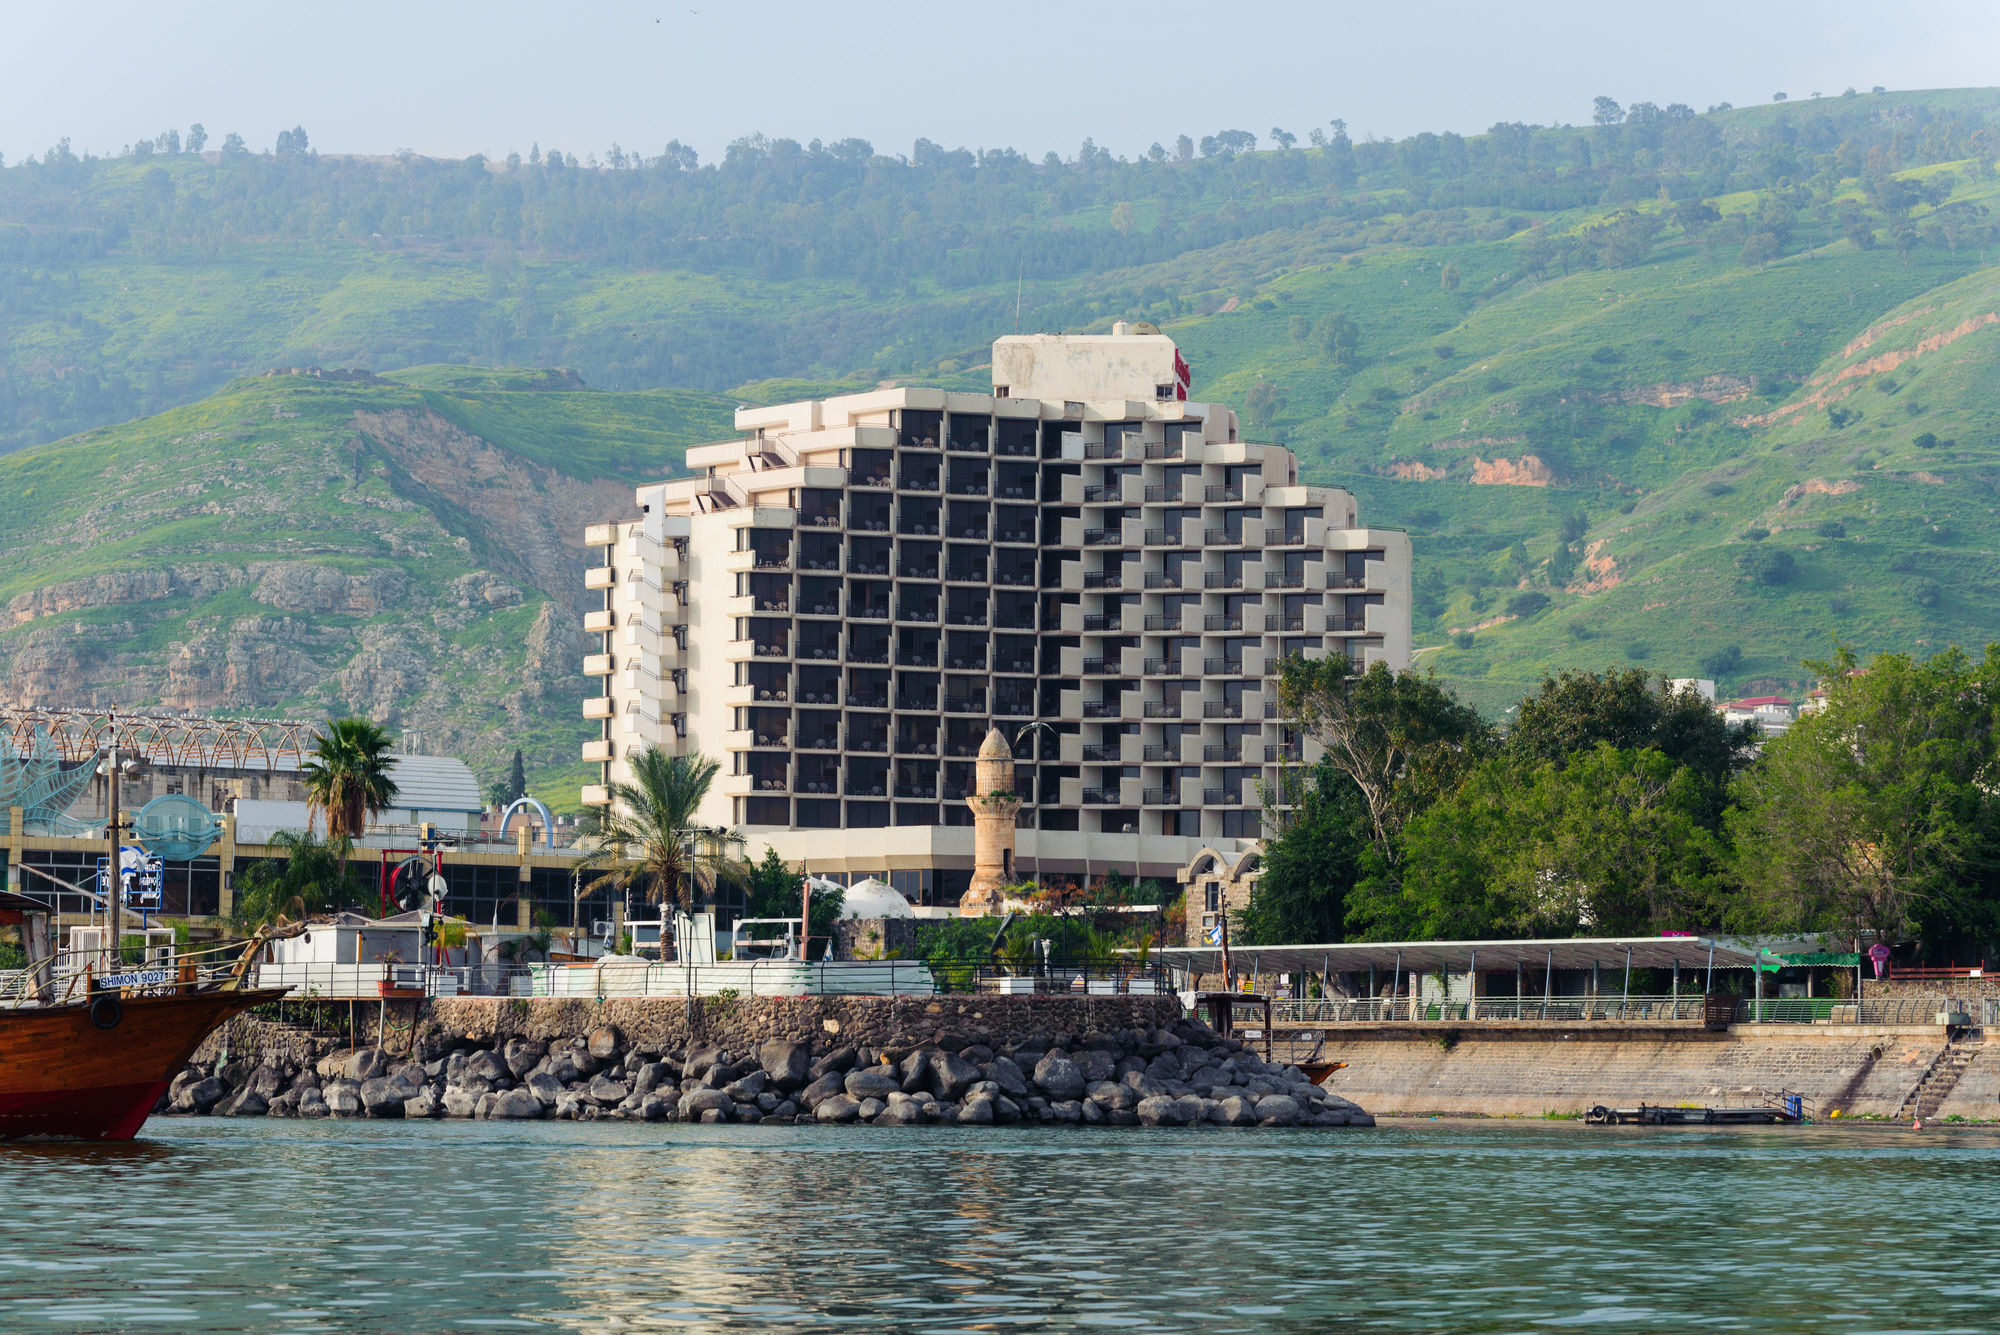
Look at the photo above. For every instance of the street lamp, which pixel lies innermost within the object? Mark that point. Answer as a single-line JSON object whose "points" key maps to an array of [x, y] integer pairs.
{"points": [[1023, 732]]}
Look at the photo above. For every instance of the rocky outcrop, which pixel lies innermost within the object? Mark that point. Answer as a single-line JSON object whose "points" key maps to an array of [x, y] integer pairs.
{"points": [[294, 586]]}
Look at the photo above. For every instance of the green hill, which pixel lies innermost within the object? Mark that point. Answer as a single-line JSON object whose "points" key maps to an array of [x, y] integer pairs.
{"points": [[1679, 389], [408, 547]]}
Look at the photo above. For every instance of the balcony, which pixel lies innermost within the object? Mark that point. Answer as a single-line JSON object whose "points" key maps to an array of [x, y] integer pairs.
{"points": [[1014, 579], [923, 616], [869, 523], [923, 704], [1112, 493], [1017, 536], [1285, 579], [600, 535], [1221, 797], [1100, 797], [597, 622], [1163, 667], [600, 708], [1222, 667], [1103, 537], [1221, 537], [1284, 754], [1292, 537], [965, 574], [965, 704], [880, 480], [1099, 667], [599, 665], [1015, 667], [826, 741], [1107, 753], [1102, 709], [1222, 709], [973, 617], [1160, 797], [598, 750], [1281, 623], [1163, 449], [1014, 708], [1216, 494], [1015, 449], [917, 482], [1340, 579], [1163, 579], [824, 651], [600, 577], [595, 795], [868, 701], [878, 744], [916, 746], [1163, 709], [1221, 579], [1163, 621], [864, 654], [1104, 579], [1222, 755], [1221, 621]]}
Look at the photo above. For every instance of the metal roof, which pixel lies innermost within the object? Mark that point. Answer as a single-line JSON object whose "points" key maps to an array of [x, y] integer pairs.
{"points": [[434, 783], [1646, 952]]}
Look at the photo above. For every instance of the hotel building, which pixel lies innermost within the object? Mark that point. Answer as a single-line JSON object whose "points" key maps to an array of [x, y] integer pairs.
{"points": [[840, 603]]}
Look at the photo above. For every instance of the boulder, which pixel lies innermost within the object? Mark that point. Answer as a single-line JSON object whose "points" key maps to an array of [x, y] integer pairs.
{"points": [[522, 1055], [977, 1111], [200, 1095], [829, 1084], [874, 1083], [561, 1067], [906, 1113], [366, 1064], [837, 1108], [1006, 1111], [343, 1099], [247, 1103], [572, 1104], [915, 1070], [266, 1080], [544, 1087], [604, 1042], [1056, 1076], [384, 1097], [1235, 1111], [462, 1102], [952, 1075], [746, 1088], [1066, 1110], [1159, 1110], [515, 1105], [1194, 1106], [485, 1066], [840, 1059], [696, 1102], [1277, 1110], [657, 1108], [1096, 1065], [422, 1104], [1003, 1072], [1093, 1113], [785, 1063], [870, 1109], [606, 1092], [649, 1076], [312, 1103]]}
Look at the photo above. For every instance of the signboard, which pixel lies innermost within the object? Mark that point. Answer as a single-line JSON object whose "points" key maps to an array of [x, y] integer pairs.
{"points": [[140, 876], [1878, 955], [145, 978]]}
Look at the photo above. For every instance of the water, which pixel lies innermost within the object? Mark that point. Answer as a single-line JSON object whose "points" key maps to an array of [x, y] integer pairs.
{"points": [[215, 1225]]}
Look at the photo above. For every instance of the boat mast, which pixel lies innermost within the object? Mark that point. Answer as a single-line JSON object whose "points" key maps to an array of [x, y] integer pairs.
{"points": [[112, 871]]}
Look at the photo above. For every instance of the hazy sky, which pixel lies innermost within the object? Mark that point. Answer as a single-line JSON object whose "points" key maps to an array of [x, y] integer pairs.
{"points": [[452, 79]]}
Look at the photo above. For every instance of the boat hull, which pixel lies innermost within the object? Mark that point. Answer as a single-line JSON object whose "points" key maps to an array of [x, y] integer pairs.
{"points": [[62, 1076]]}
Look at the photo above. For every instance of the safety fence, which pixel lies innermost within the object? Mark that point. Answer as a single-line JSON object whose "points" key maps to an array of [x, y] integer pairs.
{"points": [[1692, 1009]]}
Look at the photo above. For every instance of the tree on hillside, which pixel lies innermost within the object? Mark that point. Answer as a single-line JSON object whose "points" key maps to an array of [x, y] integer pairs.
{"points": [[1606, 111], [517, 779], [1400, 737], [1877, 813], [197, 138], [650, 840], [347, 776]]}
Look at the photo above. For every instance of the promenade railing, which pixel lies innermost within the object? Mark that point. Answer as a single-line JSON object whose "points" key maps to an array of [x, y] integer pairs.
{"points": [[1692, 1009]]}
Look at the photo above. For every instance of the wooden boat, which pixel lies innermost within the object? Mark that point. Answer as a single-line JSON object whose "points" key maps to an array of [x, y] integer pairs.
{"points": [[89, 1060]]}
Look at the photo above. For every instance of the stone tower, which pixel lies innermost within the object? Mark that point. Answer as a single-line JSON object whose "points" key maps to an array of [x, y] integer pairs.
{"points": [[993, 806]]}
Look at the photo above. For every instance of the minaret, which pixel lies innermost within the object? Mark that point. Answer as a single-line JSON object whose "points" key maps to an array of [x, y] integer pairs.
{"points": [[993, 806]]}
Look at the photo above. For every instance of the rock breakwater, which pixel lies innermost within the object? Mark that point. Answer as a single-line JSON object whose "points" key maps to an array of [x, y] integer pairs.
{"points": [[1178, 1074]]}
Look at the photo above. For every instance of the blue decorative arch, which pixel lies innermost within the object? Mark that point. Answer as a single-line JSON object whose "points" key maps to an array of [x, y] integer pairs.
{"points": [[548, 821]]}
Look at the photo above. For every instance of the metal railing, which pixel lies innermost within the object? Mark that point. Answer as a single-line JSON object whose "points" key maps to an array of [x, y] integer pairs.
{"points": [[1686, 1008]]}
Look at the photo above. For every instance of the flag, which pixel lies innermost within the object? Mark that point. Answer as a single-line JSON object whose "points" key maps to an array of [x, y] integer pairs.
{"points": [[1213, 935]]}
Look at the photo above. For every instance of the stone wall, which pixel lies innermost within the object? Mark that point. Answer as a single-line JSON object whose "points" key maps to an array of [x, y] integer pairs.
{"points": [[1859, 1070]]}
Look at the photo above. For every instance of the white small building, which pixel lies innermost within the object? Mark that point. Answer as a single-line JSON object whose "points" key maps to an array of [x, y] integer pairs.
{"points": [[1698, 686], [1771, 713]]}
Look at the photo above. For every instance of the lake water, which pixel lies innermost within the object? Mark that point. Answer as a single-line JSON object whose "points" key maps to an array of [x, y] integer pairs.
{"points": [[215, 1225]]}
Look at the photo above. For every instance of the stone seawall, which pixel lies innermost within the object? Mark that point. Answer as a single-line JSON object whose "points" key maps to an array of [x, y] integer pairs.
{"points": [[889, 1061], [1858, 1070]]}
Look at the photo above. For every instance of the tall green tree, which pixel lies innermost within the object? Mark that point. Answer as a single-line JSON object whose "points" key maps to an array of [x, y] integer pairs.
{"points": [[773, 888], [517, 779], [1876, 813], [1401, 738], [649, 838], [347, 776], [1309, 865], [313, 876]]}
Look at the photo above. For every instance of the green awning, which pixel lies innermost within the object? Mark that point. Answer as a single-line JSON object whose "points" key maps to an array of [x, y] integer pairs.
{"points": [[1846, 961]]}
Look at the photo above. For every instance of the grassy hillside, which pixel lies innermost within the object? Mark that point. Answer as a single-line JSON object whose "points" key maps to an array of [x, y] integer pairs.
{"points": [[408, 547], [1703, 392]]}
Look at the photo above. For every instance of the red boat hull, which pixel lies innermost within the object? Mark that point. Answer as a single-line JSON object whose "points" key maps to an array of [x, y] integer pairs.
{"points": [[65, 1076]]}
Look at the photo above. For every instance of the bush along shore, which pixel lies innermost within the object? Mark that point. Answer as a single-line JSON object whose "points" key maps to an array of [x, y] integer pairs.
{"points": [[1182, 1076]]}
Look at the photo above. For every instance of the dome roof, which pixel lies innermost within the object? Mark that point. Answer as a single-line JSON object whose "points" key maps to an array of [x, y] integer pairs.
{"points": [[874, 899], [995, 746]]}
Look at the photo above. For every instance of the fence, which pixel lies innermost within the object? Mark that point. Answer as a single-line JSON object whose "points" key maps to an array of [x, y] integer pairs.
{"points": [[1692, 1009]]}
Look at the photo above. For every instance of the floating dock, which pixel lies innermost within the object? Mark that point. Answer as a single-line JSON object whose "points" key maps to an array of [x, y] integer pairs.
{"points": [[1783, 1109]]}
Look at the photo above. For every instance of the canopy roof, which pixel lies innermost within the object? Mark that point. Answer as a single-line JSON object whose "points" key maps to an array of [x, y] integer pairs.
{"points": [[1646, 952]]}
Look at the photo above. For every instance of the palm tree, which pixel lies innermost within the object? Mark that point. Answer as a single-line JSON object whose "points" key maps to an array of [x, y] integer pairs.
{"points": [[311, 878], [648, 837], [347, 776]]}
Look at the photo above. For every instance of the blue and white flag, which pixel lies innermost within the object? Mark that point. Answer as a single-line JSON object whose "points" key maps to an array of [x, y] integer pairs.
{"points": [[1213, 935]]}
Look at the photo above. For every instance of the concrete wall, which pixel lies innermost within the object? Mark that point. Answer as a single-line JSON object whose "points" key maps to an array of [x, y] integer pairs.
{"points": [[1856, 1069]]}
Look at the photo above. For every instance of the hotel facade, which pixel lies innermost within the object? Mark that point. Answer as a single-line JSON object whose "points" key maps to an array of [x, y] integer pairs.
{"points": [[839, 605]]}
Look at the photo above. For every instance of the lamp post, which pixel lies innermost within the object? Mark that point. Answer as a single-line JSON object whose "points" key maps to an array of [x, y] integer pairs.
{"points": [[1037, 804]]}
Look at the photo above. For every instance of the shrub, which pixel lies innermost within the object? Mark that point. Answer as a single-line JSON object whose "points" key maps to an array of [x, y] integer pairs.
{"points": [[1925, 440], [1756, 534], [1767, 565], [1830, 528], [1926, 593], [1463, 639], [1638, 651], [1723, 662], [1527, 604], [1718, 488]]}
